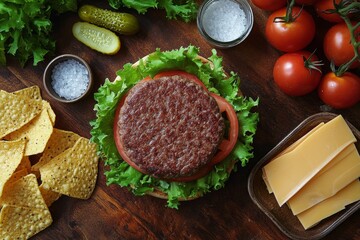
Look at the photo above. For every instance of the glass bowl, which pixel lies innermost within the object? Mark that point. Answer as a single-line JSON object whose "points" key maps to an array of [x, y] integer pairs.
{"points": [[225, 23], [282, 216]]}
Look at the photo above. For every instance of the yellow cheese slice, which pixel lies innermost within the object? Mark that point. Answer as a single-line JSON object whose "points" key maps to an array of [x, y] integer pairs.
{"points": [[330, 206], [289, 149], [341, 171], [288, 173]]}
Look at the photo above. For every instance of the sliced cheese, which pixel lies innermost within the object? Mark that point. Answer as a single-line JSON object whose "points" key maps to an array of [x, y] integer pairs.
{"points": [[300, 140], [289, 149], [330, 206], [340, 172], [288, 173]]}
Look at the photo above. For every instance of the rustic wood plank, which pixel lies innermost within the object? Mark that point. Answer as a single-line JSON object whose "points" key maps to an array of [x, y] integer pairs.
{"points": [[114, 212]]}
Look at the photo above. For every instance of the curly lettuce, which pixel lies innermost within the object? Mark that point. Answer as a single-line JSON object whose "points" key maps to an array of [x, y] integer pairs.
{"points": [[185, 10], [215, 80], [25, 28]]}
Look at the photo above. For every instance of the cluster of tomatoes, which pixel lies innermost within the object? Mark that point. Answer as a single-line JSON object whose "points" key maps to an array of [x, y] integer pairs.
{"points": [[290, 28]]}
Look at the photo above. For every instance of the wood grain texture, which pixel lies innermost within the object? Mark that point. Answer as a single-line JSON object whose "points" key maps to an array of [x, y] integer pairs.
{"points": [[114, 212]]}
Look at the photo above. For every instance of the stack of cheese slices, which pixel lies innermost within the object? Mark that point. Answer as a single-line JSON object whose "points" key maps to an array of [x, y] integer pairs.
{"points": [[318, 175]]}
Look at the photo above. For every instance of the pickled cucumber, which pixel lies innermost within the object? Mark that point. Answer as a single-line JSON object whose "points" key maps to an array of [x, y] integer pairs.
{"points": [[97, 38], [123, 23]]}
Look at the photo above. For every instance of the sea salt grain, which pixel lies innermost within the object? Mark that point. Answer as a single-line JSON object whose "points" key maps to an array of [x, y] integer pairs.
{"points": [[70, 79], [224, 21]]}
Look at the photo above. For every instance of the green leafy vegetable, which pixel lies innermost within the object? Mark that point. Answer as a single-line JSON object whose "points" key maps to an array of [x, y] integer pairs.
{"points": [[213, 76], [185, 10], [25, 28]]}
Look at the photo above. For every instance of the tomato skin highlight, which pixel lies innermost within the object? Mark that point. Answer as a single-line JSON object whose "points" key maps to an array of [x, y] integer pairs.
{"points": [[291, 75], [337, 45], [269, 5], [323, 5], [292, 36], [340, 92]]}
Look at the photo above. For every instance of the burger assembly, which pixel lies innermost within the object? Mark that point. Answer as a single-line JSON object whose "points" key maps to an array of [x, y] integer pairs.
{"points": [[173, 125]]}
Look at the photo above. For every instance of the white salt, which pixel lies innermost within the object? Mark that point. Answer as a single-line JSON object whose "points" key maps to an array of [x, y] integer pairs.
{"points": [[70, 79], [224, 20]]}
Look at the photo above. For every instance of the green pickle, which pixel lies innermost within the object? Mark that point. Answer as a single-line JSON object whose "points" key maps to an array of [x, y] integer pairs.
{"points": [[123, 23], [97, 38]]}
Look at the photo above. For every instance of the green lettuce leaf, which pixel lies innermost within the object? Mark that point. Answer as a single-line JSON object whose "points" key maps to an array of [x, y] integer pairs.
{"points": [[25, 28], [185, 10], [187, 59]]}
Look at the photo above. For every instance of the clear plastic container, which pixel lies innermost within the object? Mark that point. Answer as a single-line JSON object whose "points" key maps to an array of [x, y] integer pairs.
{"points": [[225, 23]]}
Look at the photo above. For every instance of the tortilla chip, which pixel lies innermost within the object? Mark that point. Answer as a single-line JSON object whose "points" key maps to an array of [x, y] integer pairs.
{"points": [[24, 193], [49, 196], [16, 111], [11, 153], [37, 133], [59, 141], [24, 164], [32, 92], [46, 105], [74, 172], [16, 176], [22, 223]]}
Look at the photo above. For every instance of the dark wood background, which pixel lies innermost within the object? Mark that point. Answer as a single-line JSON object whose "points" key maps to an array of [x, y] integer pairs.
{"points": [[114, 212]]}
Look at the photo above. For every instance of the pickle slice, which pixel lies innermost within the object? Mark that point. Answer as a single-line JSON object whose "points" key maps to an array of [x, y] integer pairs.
{"points": [[97, 38]]}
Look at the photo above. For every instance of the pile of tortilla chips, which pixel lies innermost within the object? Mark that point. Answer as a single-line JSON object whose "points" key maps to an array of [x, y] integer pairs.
{"points": [[68, 164]]}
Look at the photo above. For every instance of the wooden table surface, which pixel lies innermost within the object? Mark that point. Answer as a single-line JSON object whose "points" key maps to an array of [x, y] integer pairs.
{"points": [[115, 213]]}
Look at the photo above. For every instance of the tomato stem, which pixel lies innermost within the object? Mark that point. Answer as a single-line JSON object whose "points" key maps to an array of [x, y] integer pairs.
{"points": [[344, 8], [309, 64], [289, 16]]}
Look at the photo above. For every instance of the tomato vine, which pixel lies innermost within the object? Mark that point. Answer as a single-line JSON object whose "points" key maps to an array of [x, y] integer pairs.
{"points": [[345, 9]]}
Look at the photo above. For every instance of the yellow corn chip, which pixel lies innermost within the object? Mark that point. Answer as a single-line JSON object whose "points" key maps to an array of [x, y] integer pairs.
{"points": [[46, 105], [16, 176], [73, 173], [37, 133], [16, 111], [22, 223], [11, 153], [32, 92], [59, 141], [49, 195], [24, 193], [24, 164]]}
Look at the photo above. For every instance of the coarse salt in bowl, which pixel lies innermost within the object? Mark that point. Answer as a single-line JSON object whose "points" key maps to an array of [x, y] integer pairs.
{"points": [[67, 78], [225, 23]]}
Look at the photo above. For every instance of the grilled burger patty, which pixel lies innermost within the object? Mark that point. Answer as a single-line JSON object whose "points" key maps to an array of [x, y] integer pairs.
{"points": [[170, 127]]}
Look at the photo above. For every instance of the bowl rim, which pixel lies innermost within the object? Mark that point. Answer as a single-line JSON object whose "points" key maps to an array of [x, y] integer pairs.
{"points": [[47, 77], [225, 44]]}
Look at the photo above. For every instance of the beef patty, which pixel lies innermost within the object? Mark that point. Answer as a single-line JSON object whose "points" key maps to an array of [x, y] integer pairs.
{"points": [[170, 127]]}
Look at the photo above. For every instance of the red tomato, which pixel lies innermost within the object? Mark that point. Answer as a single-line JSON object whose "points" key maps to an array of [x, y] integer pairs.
{"points": [[269, 5], [306, 2], [323, 5], [293, 77], [340, 92], [292, 36], [337, 45], [225, 146]]}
